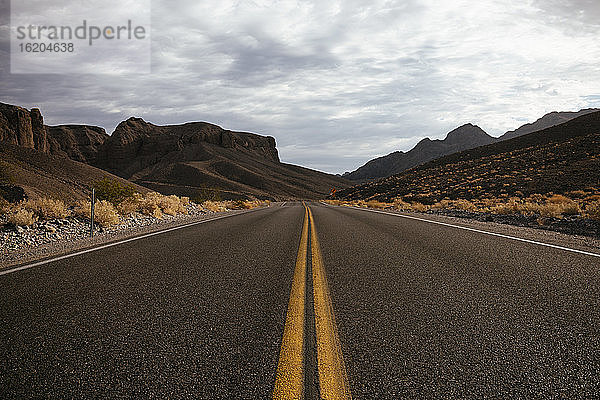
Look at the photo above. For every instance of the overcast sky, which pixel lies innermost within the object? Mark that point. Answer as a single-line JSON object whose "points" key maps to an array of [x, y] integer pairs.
{"points": [[338, 82]]}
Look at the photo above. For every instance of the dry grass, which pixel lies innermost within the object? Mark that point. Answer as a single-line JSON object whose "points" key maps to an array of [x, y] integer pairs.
{"points": [[4, 206], [153, 204], [220, 206], [593, 210], [22, 217], [214, 206], [377, 204], [418, 207], [45, 208], [401, 205], [582, 204], [105, 213]]}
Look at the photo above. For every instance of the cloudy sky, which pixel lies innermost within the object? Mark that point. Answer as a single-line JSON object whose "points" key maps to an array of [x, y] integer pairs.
{"points": [[338, 82]]}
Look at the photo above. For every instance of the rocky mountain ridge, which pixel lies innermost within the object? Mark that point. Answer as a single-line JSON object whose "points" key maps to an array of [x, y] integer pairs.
{"points": [[463, 138], [190, 159]]}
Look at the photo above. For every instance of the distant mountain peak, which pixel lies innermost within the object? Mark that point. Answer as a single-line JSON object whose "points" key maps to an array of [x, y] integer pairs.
{"points": [[547, 121], [462, 138], [465, 132]]}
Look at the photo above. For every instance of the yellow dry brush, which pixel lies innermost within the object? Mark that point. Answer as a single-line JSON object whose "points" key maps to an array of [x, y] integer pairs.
{"points": [[580, 204]]}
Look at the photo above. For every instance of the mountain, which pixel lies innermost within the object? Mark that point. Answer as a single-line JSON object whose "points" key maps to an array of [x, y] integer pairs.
{"points": [[78, 142], [26, 172], [25, 128], [190, 159], [462, 138], [35, 160], [559, 159], [185, 159], [547, 121], [22, 127]]}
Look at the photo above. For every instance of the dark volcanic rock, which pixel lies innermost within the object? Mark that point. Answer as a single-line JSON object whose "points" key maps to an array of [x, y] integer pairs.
{"points": [[22, 127], [78, 142]]}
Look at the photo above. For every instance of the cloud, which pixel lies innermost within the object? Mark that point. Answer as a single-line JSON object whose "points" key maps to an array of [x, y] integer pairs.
{"points": [[341, 82]]}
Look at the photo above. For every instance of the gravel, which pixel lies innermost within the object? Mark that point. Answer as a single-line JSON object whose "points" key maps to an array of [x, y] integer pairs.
{"points": [[20, 245]]}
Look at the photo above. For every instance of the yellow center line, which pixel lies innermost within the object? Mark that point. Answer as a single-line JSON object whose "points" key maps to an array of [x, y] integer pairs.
{"points": [[289, 380], [333, 382]]}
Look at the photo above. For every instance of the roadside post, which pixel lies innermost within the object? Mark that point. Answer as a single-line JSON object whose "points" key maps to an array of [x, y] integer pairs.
{"points": [[92, 212]]}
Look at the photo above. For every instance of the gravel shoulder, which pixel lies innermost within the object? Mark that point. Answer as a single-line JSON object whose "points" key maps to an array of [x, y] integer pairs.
{"points": [[63, 236]]}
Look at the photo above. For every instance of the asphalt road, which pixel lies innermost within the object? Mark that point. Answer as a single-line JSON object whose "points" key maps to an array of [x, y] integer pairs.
{"points": [[421, 311]]}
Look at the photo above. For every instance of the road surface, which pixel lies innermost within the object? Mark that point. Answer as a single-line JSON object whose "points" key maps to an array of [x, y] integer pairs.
{"points": [[282, 301]]}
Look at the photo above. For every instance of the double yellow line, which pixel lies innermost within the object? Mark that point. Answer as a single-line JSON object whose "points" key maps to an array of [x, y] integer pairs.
{"points": [[289, 381]]}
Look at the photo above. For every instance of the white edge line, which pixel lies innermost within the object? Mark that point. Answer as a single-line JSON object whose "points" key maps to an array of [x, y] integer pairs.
{"points": [[104, 246], [479, 231]]}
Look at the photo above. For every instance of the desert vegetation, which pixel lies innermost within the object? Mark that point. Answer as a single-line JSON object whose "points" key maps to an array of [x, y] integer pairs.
{"points": [[115, 202], [583, 204]]}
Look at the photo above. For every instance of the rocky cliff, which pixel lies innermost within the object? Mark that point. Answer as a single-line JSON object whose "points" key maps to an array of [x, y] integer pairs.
{"points": [[190, 159], [136, 144], [21, 127], [78, 142]]}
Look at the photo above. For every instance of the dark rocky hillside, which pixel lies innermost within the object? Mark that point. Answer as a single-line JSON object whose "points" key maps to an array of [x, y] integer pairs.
{"points": [[465, 137], [26, 172], [186, 159], [547, 121], [559, 159], [191, 159], [78, 142]]}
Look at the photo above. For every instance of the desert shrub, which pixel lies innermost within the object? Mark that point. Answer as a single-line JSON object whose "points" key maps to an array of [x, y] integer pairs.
{"points": [[22, 217], [465, 205], [566, 205], [154, 204], [4, 206], [419, 207], [82, 209], [172, 205], [150, 205], [510, 207], [530, 208], [361, 203], [130, 205], [441, 205], [45, 208], [113, 191], [593, 210], [571, 208], [400, 204], [559, 199], [214, 206], [243, 204], [377, 204], [550, 210], [106, 214]]}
